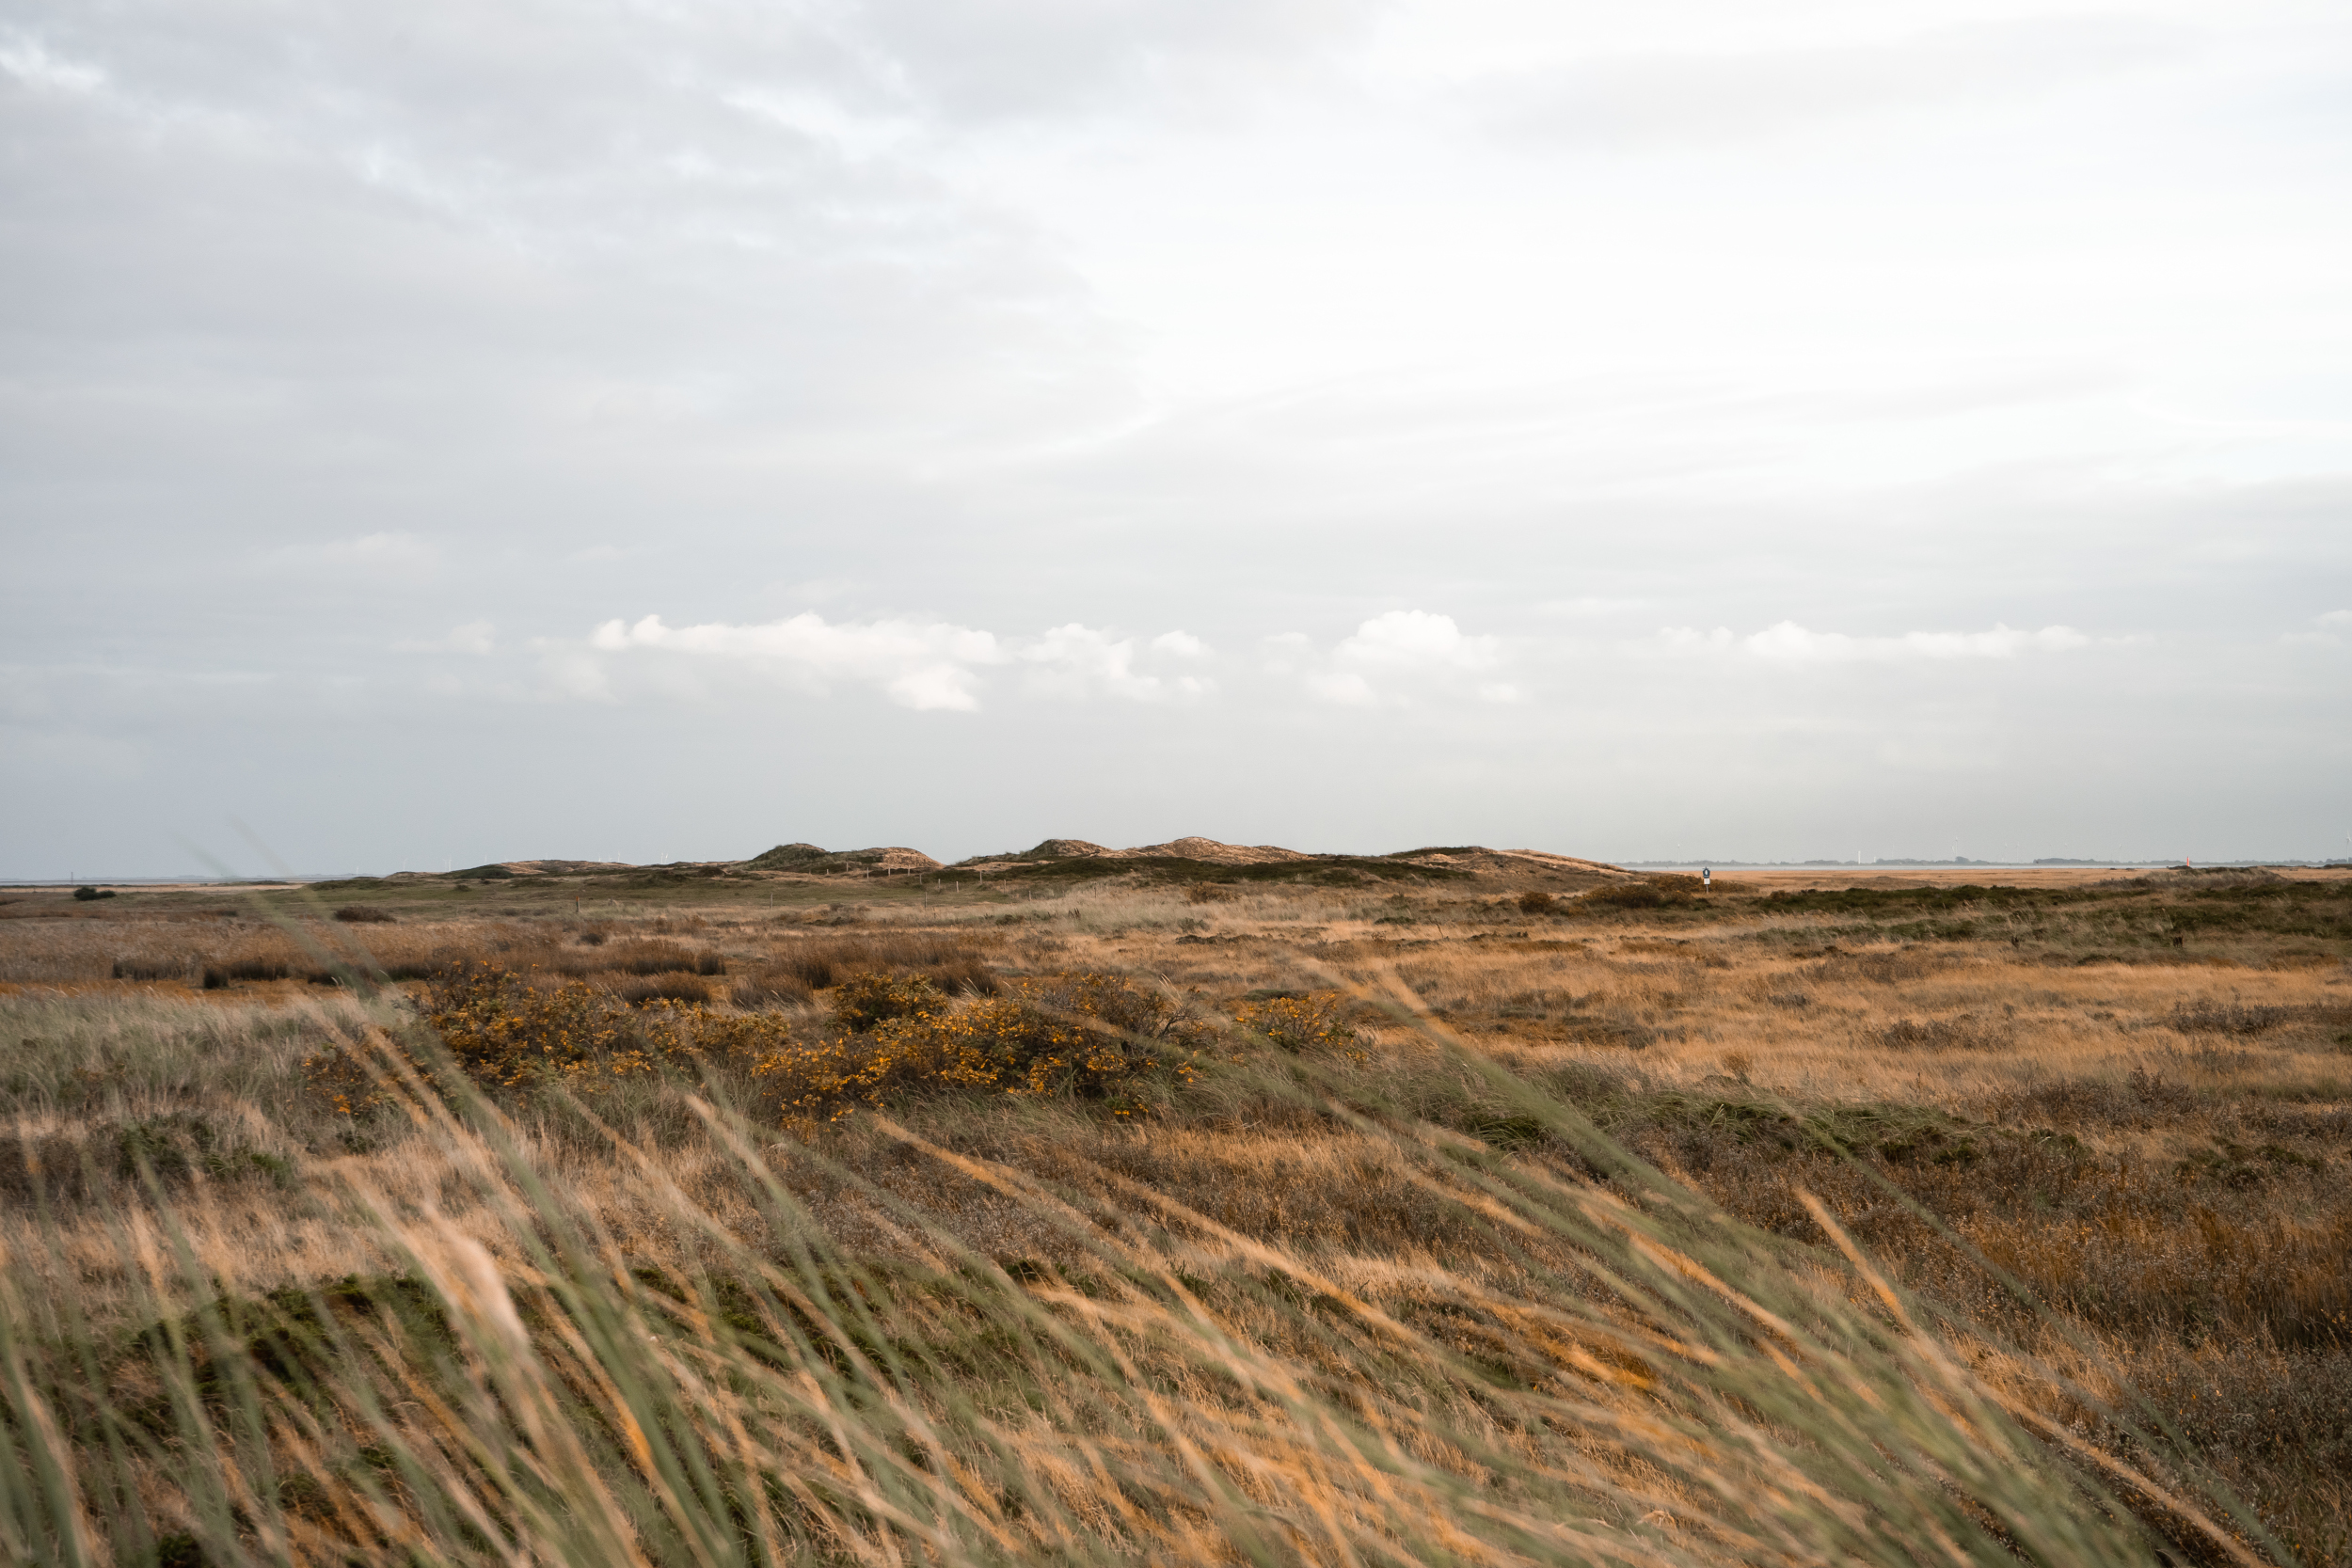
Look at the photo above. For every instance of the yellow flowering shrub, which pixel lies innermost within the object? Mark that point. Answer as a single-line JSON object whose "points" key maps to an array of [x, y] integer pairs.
{"points": [[1090, 1036], [506, 1029], [1315, 1022], [863, 1000]]}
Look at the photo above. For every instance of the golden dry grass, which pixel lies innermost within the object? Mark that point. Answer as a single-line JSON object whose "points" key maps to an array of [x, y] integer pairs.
{"points": [[2154, 1146]]}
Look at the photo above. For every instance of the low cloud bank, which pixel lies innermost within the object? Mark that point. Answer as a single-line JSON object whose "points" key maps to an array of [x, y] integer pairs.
{"points": [[1787, 643], [928, 666]]}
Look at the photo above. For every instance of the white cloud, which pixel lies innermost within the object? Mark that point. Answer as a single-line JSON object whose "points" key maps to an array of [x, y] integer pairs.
{"points": [[1415, 640], [475, 637], [572, 671], [36, 68], [1393, 655], [917, 666], [923, 666], [1284, 653], [2331, 623], [1787, 643], [1078, 662], [1690, 639], [1348, 689]]}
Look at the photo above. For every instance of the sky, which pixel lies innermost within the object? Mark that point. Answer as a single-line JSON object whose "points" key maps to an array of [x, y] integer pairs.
{"points": [[660, 429]]}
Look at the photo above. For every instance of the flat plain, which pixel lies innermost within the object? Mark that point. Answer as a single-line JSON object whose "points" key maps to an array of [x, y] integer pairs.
{"points": [[2089, 1128]]}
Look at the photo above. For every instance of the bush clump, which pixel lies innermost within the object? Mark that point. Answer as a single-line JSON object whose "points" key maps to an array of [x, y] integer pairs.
{"points": [[1297, 1024], [663, 988], [1091, 1037], [363, 914], [942, 960], [1942, 1034], [221, 977], [1658, 893], [770, 988], [656, 957], [87, 894], [174, 1147], [863, 1000], [506, 1030], [2206, 1016]]}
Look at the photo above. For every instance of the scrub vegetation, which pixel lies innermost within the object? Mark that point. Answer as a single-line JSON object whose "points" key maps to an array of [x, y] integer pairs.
{"points": [[1364, 1217]]}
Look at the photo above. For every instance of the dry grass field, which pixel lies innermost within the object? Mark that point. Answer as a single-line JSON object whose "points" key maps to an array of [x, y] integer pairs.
{"points": [[1500, 1214]]}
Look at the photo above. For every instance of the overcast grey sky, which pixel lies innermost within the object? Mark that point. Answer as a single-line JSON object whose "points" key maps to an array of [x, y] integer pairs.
{"points": [[446, 431]]}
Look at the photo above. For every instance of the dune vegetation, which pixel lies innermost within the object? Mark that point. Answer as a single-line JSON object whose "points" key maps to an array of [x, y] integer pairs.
{"points": [[1342, 1212]]}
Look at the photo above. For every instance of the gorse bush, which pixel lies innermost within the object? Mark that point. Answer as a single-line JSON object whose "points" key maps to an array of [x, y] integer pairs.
{"points": [[1093, 1036], [505, 1030], [863, 1000], [1317, 1020]]}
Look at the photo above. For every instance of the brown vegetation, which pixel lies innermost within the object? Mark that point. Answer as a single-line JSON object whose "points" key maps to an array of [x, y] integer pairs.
{"points": [[2103, 1128]]}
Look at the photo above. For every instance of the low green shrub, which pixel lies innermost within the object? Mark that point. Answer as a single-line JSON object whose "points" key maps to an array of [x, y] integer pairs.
{"points": [[171, 1150]]}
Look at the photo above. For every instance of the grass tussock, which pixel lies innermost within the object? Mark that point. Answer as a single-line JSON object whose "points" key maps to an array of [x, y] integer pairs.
{"points": [[944, 961]]}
